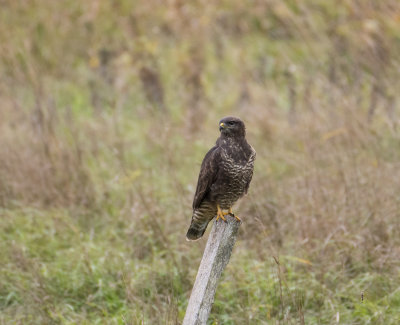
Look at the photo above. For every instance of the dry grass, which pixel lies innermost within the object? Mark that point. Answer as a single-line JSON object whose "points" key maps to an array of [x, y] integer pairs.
{"points": [[106, 112]]}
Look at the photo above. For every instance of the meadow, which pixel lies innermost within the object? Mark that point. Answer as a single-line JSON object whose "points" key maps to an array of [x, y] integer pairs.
{"points": [[106, 111]]}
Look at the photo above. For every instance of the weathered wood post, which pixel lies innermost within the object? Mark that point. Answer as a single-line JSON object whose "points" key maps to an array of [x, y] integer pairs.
{"points": [[215, 258]]}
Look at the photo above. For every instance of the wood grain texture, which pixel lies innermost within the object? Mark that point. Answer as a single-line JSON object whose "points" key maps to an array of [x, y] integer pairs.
{"points": [[215, 258]]}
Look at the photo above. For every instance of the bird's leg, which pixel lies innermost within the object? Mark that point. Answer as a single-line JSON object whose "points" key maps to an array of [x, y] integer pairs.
{"points": [[233, 215], [226, 213], [220, 214]]}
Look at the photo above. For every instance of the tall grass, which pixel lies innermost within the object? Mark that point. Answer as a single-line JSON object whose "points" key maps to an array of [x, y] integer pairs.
{"points": [[107, 109]]}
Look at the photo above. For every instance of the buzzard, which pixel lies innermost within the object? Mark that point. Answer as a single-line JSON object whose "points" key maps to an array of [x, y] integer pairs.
{"points": [[225, 176]]}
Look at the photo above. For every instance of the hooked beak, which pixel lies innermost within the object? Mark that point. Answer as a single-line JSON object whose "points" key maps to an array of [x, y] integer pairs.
{"points": [[221, 126]]}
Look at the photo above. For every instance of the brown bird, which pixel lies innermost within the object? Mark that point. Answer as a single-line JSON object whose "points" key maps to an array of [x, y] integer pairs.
{"points": [[225, 176]]}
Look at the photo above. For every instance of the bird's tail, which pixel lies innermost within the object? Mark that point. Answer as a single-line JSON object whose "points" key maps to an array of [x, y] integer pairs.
{"points": [[195, 233], [198, 225]]}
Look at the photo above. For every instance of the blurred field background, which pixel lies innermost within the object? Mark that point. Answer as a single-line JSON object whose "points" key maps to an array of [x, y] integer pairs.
{"points": [[107, 109]]}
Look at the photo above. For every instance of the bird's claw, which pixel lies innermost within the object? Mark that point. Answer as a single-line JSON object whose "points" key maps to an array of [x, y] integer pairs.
{"points": [[220, 214], [236, 217], [230, 212]]}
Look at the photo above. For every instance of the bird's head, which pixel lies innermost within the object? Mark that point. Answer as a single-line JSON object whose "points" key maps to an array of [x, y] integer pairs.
{"points": [[232, 127]]}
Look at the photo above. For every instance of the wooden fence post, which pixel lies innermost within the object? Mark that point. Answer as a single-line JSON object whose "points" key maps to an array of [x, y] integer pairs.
{"points": [[215, 258]]}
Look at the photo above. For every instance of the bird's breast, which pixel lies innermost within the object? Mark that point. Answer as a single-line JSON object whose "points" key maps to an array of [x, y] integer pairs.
{"points": [[234, 176]]}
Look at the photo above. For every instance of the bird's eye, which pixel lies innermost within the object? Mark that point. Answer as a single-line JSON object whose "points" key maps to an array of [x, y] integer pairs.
{"points": [[231, 123]]}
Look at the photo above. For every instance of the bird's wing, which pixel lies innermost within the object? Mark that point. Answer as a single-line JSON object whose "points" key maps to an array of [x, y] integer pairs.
{"points": [[207, 176], [248, 183], [252, 158]]}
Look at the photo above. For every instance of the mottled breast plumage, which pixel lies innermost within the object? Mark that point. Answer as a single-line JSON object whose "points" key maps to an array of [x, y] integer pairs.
{"points": [[236, 170]]}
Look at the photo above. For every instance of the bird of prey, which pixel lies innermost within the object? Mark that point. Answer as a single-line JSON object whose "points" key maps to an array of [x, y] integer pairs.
{"points": [[225, 176]]}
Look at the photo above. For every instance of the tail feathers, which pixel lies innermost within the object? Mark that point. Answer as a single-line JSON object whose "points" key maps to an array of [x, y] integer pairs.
{"points": [[194, 234], [200, 219], [196, 231]]}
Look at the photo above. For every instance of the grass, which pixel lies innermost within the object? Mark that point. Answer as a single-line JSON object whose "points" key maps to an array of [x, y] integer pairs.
{"points": [[107, 109]]}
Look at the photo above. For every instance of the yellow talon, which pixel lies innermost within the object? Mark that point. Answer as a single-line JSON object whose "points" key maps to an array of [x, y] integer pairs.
{"points": [[233, 215], [220, 214]]}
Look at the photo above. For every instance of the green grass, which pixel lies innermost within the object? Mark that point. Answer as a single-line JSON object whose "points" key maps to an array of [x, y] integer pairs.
{"points": [[54, 272]]}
